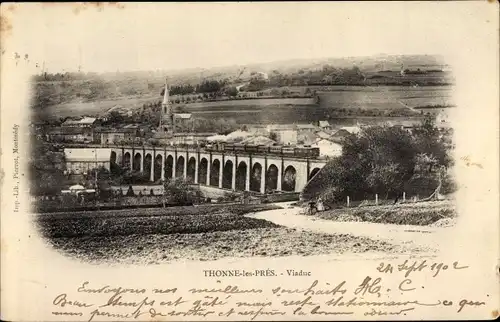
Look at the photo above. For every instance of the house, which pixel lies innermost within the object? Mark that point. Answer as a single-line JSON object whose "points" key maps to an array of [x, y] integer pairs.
{"points": [[286, 137], [301, 128], [118, 135], [307, 138], [85, 122], [328, 148], [351, 129], [443, 119], [283, 133], [339, 135], [182, 116], [81, 161], [324, 125], [405, 125], [71, 134], [323, 134]]}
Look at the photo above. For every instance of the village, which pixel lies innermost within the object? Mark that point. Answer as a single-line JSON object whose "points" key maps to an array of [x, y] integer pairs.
{"points": [[290, 154]]}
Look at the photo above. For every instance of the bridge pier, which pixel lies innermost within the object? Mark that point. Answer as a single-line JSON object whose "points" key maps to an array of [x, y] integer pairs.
{"points": [[153, 163], [263, 173], [174, 166], [233, 179], [196, 162], [162, 176], [221, 173], [186, 160], [142, 162], [132, 160], [247, 181], [279, 177]]}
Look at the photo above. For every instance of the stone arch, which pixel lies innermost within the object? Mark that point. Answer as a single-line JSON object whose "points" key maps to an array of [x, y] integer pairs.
{"points": [[148, 163], [313, 173], [126, 160], [191, 170], [289, 179], [241, 176], [256, 177], [202, 171], [137, 161], [227, 175], [169, 167], [157, 167], [215, 173], [272, 178], [179, 167], [112, 157]]}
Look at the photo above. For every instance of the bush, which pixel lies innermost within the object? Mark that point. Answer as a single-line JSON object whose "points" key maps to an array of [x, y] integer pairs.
{"points": [[419, 213], [179, 192], [130, 192]]}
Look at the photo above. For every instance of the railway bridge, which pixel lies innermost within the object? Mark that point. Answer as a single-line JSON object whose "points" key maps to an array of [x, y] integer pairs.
{"points": [[239, 171]]}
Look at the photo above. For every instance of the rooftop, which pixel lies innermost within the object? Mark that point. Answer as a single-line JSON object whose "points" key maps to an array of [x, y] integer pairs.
{"points": [[182, 115], [305, 126], [350, 129], [82, 121]]}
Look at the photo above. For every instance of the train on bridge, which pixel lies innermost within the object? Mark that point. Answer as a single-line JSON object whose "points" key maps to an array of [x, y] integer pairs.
{"points": [[291, 151]]}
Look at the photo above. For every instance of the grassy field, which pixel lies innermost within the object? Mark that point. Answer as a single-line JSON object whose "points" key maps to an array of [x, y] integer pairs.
{"points": [[420, 213], [172, 220], [154, 236], [285, 110], [385, 97], [246, 103], [96, 108]]}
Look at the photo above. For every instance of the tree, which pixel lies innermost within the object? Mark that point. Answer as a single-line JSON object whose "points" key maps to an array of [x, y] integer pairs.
{"points": [[377, 160], [130, 192], [431, 142], [115, 117], [232, 91], [179, 192], [46, 169], [386, 178], [273, 136], [388, 161]]}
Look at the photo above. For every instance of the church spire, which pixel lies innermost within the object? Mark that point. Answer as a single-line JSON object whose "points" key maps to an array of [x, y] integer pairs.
{"points": [[165, 95], [166, 118]]}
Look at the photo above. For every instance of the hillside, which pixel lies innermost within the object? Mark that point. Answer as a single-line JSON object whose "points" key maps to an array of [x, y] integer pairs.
{"points": [[74, 88]]}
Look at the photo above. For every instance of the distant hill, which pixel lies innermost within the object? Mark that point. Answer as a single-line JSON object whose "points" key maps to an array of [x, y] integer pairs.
{"points": [[60, 88]]}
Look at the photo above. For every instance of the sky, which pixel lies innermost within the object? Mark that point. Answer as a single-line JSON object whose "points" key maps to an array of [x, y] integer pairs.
{"points": [[187, 35]]}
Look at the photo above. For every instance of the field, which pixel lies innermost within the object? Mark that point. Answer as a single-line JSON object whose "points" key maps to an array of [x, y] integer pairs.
{"points": [[286, 110], [152, 236], [257, 102], [385, 97], [420, 213], [76, 108]]}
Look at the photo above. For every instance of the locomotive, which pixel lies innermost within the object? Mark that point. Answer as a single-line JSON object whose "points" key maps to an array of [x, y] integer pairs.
{"points": [[301, 152]]}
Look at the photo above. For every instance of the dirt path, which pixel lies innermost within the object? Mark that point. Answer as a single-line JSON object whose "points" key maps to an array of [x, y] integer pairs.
{"points": [[290, 217]]}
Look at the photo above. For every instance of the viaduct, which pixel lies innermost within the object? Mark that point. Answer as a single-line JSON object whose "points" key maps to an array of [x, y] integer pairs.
{"points": [[241, 171]]}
